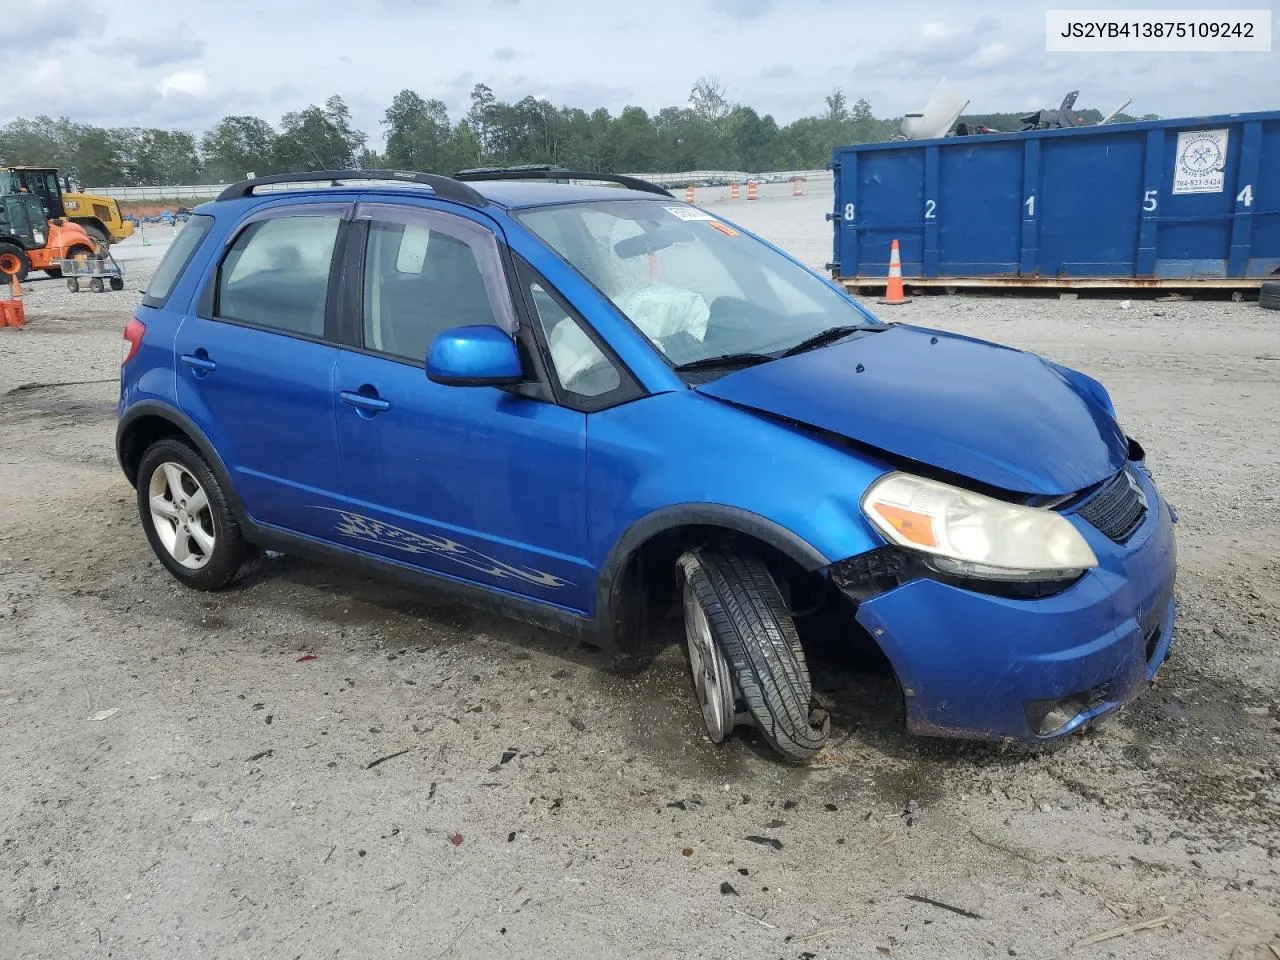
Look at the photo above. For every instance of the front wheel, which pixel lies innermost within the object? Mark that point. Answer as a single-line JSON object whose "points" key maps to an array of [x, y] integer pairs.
{"points": [[188, 518], [737, 623], [14, 263]]}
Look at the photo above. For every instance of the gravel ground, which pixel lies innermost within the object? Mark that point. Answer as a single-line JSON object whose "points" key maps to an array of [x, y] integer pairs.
{"points": [[541, 802]]}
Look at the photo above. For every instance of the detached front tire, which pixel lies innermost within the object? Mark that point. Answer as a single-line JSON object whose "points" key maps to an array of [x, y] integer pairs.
{"points": [[188, 518], [730, 594]]}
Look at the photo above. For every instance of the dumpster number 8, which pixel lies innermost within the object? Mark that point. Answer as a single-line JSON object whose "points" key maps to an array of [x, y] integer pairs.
{"points": [[848, 211]]}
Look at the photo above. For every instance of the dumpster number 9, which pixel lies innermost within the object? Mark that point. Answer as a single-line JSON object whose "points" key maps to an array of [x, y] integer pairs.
{"points": [[1150, 200]]}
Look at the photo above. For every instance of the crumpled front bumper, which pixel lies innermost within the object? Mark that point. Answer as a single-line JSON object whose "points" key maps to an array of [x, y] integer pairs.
{"points": [[978, 666]]}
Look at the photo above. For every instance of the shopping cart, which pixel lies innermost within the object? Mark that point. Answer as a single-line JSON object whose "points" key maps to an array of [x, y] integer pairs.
{"points": [[101, 272]]}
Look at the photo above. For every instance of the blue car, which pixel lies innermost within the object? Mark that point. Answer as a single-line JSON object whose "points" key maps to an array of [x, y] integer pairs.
{"points": [[591, 406]]}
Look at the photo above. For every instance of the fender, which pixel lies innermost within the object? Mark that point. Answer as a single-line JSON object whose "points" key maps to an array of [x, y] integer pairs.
{"points": [[736, 519], [156, 408]]}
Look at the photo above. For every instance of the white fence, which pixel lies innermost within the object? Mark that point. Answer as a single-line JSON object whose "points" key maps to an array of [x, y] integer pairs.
{"points": [[207, 191]]}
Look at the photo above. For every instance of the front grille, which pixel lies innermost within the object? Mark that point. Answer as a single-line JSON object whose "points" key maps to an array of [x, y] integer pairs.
{"points": [[1118, 508]]}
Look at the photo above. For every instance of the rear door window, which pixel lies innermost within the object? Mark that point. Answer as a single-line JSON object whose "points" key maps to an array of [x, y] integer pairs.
{"points": [[276, 274]]}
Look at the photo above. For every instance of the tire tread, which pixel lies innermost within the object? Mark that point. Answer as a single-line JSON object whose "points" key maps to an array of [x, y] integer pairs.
{"points": [[751, 622]]}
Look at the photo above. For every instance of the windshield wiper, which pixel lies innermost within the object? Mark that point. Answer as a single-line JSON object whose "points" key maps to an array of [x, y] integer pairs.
{"points": [[829, 335], [726, 360]]}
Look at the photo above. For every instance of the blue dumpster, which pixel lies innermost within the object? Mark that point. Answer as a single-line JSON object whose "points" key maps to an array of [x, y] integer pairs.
{"points": [[1191, 202]]}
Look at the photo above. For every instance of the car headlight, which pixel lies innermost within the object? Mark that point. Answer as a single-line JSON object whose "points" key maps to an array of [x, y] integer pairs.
{"points": [[971, 535]]}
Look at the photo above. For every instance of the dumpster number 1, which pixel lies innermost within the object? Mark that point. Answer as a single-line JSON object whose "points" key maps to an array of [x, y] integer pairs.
{"points": [[1031, 205]]}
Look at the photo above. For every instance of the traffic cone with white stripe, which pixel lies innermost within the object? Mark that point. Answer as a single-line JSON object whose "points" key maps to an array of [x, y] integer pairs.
{"points": [[893, 292]]}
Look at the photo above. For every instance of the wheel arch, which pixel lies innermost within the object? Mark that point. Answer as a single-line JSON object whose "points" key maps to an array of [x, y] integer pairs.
{"points": [[639, 571], [148, 421]]}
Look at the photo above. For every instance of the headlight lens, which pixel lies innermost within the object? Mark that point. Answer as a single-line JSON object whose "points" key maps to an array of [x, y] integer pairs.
{"points": [[968, 534]]}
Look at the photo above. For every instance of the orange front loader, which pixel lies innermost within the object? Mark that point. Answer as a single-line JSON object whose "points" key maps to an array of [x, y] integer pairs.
{"points": [[30, 241]]}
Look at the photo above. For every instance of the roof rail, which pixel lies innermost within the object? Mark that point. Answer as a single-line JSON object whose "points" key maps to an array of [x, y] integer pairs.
{"points": [[548, 172], [447, 188]]}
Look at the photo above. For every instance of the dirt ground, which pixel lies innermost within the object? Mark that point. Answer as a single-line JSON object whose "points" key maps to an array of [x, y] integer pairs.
{"points": [[180, 782]]}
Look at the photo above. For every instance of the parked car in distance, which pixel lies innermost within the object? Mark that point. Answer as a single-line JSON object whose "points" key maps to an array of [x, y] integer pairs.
{"points": [[597, 408]]}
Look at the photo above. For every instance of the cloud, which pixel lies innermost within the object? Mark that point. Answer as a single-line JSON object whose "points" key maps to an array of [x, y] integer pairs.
{"points": [[31, 26], [148, 52], [779, 71], [191, 83], [743, 9], [936, 47], [506, 53]]}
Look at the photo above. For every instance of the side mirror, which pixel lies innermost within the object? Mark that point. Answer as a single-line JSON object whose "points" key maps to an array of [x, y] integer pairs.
{"points": [[474, 356]]}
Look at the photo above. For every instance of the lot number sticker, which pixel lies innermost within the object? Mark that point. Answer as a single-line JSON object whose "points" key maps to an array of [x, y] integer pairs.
{"points": [[689, 213], [1201, 161]]}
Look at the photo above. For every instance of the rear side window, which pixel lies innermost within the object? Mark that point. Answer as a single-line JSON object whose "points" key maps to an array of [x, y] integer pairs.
{"points": [[175, 260], [276, 274]]}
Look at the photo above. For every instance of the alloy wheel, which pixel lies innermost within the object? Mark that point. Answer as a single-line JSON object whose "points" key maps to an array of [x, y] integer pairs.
{"points": [[711, 677], [181, 516]]}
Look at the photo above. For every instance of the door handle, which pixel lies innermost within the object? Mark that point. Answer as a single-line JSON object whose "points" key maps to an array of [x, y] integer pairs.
{"points": [[199, 362], [363, 402]]}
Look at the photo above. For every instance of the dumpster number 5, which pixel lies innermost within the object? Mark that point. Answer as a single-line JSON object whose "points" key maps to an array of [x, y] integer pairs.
{"points": [[1150, 201]]}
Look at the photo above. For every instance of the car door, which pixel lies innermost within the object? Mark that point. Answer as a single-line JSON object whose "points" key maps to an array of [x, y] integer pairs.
{"points": [[479, 484], [256, 359]]}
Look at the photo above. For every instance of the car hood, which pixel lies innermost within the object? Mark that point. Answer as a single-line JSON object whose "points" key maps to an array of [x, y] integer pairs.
{"points": [[999, 416]]}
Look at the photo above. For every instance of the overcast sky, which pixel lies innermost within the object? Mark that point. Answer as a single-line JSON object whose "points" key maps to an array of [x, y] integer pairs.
{"points": [[185, 64]]}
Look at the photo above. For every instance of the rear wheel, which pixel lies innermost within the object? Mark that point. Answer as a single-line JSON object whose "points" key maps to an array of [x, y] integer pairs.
{"points": [[14, 262], [100, 237], [188, 518], [73, 284], [116, 283], [736, 622], [96, 285]]}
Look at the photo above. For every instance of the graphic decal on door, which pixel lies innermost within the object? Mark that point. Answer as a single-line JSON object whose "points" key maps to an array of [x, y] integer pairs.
{"points": [[367, 529]]}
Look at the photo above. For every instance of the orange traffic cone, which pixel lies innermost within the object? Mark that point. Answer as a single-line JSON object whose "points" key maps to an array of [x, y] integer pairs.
{"points": [[688, 194], [12, 312], [734, 192], [751, 191], [893, 292], [797, 187]]}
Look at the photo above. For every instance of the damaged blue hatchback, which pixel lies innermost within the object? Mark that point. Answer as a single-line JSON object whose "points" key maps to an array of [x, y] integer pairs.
{"points": [[574, 399]]}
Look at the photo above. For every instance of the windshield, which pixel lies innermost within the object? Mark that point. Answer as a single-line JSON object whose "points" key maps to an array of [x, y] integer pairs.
{"points": [[695, 286]]}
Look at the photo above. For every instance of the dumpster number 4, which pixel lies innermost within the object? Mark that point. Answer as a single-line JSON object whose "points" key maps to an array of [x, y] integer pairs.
{"points": [[1245, 196]]}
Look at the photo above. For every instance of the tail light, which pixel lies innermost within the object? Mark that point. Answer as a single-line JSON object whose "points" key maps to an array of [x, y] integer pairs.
{"points": [[133, 332]]}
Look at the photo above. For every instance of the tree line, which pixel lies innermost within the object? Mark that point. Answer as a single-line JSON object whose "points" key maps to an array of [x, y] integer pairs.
{"points": [[709, 133]]}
